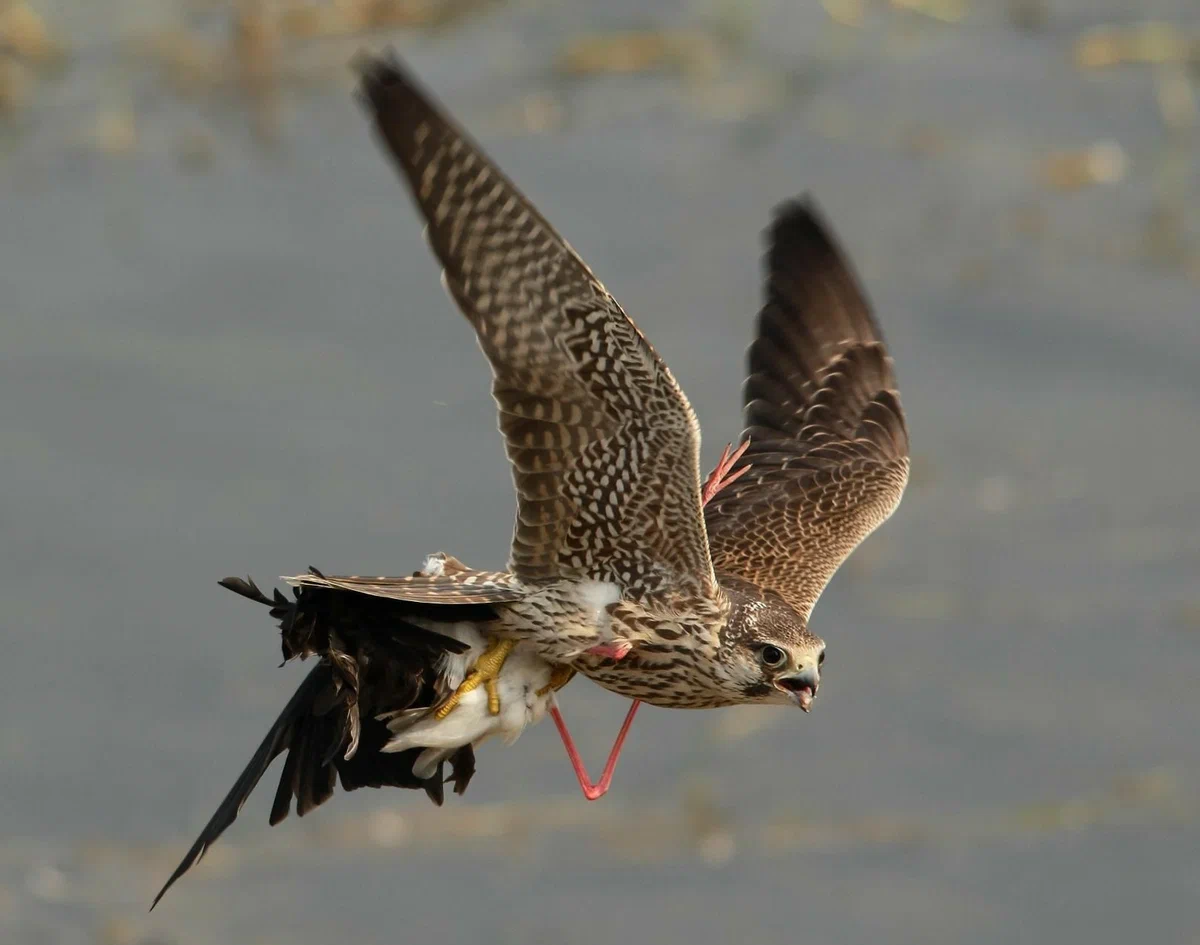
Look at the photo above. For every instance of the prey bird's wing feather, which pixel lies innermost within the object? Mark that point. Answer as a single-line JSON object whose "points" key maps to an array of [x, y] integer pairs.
{"points": [[277, 740], [374, 664], [828, 451], [466, 587], [603, 443]]}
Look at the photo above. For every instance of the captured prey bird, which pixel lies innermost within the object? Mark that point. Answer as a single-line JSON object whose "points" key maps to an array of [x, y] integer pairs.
{"points": [[626, 565]]}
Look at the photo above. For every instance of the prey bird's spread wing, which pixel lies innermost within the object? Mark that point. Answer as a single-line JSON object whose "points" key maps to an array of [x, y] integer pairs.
{"points": [[604, 445], [828, 450]]}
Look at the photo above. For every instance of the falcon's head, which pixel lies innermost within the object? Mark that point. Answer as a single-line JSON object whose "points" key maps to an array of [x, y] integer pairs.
{"points": [[768, 654]]}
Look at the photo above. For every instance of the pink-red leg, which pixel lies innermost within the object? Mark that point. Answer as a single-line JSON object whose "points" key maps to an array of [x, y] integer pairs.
{"points": [[717, 480], [594, 791], [613, 651]]}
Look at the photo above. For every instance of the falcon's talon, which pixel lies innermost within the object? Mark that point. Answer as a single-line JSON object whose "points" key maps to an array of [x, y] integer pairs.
{"points": [[486, 672]]}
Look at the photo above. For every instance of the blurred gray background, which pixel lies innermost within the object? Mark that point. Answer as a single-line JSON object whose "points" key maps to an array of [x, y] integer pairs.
{"points": [[224, 349]]}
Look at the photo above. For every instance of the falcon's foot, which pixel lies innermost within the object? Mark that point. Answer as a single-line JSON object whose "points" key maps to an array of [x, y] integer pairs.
{"points": [[724, 475], [486, 672], [617, 650]]}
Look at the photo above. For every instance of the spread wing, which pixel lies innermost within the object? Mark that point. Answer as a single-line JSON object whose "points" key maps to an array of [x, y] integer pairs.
{"points": [[828, 451], [603, 444]]}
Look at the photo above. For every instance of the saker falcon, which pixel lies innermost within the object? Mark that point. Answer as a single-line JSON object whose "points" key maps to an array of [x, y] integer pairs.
{"points": [[626, 566]]}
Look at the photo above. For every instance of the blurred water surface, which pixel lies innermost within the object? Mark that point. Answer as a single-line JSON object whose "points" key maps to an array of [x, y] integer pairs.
{"points": [[225, 350]]}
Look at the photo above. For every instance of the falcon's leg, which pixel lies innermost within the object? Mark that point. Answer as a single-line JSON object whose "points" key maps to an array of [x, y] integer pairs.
{"points": [[594, 791], [719, 478], [613, 651], [486, 671]]}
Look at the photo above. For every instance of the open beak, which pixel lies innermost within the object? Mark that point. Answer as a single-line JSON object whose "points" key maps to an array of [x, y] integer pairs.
{"points": [[800, 687]]}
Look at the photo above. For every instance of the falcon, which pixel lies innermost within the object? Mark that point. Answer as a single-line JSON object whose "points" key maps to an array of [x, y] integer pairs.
{"points": [[626, 566]]}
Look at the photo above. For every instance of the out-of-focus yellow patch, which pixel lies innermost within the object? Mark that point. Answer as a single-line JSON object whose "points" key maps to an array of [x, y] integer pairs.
{"points": [[1149, 42], [632, 52], [1104, 162], [25, 33]]}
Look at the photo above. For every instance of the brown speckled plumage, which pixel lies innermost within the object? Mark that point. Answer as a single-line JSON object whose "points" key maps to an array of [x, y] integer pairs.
{"points": [[828, 451], [599, 435], [604, 445], [613, 548]]}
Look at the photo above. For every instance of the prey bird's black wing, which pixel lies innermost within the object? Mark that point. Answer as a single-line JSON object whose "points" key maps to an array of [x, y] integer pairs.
{"points": [[372, 663], [279, 738], [604, 445], [828, 451]]}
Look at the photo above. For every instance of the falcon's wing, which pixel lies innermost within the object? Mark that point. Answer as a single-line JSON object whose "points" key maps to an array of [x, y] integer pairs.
{"points": [[828, 450], [604, 445]]}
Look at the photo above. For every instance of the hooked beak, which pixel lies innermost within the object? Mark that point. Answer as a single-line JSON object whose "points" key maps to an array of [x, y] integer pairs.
{"points": [[801, 687]]}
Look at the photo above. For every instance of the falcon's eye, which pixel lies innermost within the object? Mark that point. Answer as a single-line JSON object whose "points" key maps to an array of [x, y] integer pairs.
{"points": [[772, 656]]}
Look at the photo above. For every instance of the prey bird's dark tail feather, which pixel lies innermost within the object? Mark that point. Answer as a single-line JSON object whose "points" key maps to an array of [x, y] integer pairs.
{"points": [[372, 662], [278, 738]]}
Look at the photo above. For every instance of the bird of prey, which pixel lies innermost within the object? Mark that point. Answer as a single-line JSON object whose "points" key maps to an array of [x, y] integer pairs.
{"points": [[626, 566]]}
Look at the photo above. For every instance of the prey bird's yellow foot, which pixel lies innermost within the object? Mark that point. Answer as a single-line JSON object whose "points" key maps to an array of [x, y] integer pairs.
{"points": [[559, 677], [486, 672]]}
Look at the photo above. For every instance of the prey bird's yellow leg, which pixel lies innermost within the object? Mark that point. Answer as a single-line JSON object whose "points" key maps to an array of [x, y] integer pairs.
{"points": [[486, 671], [559, 677]]}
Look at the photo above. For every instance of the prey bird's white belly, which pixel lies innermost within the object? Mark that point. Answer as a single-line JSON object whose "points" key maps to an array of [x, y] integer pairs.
{"points": [[525, 696]]}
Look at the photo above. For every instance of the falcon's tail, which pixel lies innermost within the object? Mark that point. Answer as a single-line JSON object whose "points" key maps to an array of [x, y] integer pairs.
{"points": [[372, 663]]}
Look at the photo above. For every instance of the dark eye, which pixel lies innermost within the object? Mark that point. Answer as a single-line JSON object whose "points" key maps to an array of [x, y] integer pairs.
{"points": [[772, 656], [821, 659]]}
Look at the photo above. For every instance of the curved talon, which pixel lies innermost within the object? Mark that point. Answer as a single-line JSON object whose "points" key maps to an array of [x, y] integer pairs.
{"points": [[486, 672]]}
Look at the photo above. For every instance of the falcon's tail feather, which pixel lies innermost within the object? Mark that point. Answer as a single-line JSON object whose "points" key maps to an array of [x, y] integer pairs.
{"points": [[373, 663]]}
